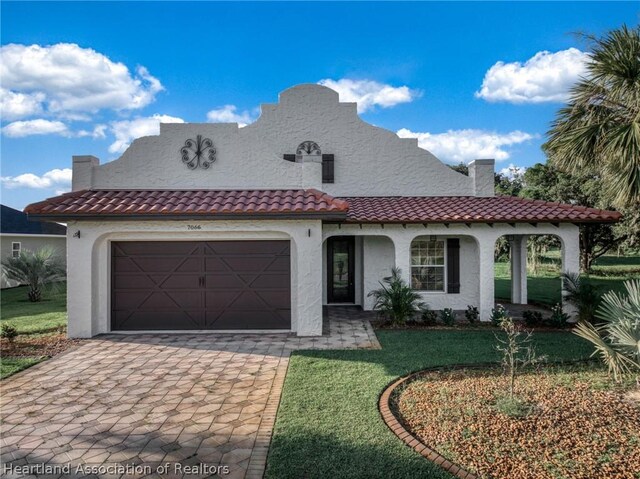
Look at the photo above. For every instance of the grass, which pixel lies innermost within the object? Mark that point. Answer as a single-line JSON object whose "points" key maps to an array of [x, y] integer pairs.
{"points": [[29, 318], [10, 366], [328, 423], [32, 320], [609, 273]]}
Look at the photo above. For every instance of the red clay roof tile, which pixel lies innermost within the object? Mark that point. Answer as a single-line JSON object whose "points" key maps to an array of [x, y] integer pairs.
{"points": [[468, 209], [310, 202], [212, 203]]}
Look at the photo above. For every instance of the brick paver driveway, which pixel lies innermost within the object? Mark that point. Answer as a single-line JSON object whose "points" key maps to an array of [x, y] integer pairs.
{"points": [[196, 400]]}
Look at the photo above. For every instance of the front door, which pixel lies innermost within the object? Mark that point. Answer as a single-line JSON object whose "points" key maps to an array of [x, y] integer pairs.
{"points": [[341, 269]]}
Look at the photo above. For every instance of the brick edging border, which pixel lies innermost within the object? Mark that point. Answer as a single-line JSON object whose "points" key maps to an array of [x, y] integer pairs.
{"points": [[409, 439]]}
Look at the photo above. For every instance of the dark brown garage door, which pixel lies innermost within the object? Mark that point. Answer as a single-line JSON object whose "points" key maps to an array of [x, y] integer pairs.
{"points": [[200, 285]]}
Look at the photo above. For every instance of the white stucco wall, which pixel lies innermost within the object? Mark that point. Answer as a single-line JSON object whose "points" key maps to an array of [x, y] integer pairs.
{"points": [[89, 303], [31, 243], [369, 161]]}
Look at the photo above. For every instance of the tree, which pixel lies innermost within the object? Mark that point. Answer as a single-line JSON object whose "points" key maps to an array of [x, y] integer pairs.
{"points": [[548, 183], [598, 131], [36, 269]]}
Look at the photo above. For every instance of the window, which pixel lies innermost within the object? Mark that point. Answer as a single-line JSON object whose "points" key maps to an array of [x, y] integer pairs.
{"points": [[428, 265], [15, 249]]}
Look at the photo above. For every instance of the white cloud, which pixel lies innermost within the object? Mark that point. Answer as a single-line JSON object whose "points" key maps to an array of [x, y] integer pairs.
{"points": [[57, 178], [513, 171], [230, 114], [126, 131], [465, 145], [369, 94], [546, 77], [22, 128], [19, 105], [68, 78]]}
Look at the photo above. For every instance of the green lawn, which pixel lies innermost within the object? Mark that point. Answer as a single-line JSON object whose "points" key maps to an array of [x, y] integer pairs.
{"points": [[27, 317], [328, 423], [31, 320], [609, 273]]}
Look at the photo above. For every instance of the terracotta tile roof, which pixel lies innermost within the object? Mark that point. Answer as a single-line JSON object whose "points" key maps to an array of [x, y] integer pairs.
{"points": [[212, 203], [469, 209], [311, 203]]}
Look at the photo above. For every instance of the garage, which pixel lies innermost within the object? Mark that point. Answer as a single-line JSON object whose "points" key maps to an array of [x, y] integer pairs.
{"points": [[200, 285]]}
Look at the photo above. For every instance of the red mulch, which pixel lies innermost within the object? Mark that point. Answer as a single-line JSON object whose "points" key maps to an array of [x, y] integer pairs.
{"points": [[580, 426], [36, 345]]}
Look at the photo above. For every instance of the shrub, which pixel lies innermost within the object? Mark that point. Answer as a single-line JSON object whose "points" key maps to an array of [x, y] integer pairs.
{"points": [[498, 314], [532, 318], [516, 350], [35, 269], [558, 317], [396, 300], [429, 316], [472, 314], [448, 316], [617, 339], [8, 332], [582, 294]]}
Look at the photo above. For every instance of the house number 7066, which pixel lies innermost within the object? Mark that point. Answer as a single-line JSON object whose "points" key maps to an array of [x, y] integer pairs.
{"points": [[194, 227]]}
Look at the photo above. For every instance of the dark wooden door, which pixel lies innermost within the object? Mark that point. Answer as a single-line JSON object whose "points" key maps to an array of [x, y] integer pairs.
{"points": [[341, 269], [179, 285]]}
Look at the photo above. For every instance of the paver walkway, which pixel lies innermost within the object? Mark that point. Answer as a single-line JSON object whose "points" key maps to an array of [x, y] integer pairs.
{"points": [[200, 401]]}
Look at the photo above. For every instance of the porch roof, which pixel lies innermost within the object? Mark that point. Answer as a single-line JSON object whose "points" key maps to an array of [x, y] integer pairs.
{"points": [[308, 203], [469, 209]]}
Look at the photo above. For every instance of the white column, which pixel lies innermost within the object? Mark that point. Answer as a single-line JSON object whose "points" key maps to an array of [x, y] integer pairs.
{"points": [[79, 282], [519, 269], [570, 238], [402, 245], [306, 308], [486, 247]]}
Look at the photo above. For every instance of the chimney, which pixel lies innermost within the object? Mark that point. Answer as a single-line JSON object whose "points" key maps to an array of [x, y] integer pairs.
{"points": [[82, 176], [481, 172]]}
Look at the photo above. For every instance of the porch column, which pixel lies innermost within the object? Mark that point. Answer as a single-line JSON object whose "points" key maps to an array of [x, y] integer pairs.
{"points": [[486, 248], [570, 238], [519, 269], [402, 246], [79, 281]]}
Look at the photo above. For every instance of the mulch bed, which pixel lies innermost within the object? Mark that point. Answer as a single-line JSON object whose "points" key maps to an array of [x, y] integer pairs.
{"points": [[47, 345], [580, 426]]}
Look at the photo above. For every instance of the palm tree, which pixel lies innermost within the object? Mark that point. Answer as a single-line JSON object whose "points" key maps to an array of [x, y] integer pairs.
{"points": [[599, 128], [617, 340], [395, 299], [35, 269]]}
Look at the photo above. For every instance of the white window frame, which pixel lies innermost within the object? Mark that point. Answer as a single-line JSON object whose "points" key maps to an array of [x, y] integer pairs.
{"points": [[14, 250], [443, 266]]}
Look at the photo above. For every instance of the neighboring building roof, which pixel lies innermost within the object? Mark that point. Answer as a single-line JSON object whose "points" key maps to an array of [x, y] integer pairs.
{"points": [[16, 222], [469, 209], [191, 203]]}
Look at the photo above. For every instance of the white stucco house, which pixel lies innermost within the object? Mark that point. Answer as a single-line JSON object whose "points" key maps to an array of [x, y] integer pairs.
{"points": [[216, 227]]}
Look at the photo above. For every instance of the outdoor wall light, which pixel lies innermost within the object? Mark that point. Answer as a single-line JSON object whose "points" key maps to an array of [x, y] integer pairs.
{"points": [[76, 234]]}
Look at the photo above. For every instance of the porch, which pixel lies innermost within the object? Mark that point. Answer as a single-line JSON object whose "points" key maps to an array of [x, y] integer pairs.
{"points": [[452, 265]]}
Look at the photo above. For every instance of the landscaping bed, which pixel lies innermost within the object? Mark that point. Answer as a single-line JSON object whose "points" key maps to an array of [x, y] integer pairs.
{"points": [[573, 421]]}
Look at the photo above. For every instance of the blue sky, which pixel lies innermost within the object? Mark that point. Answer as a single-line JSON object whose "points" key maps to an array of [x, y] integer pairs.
{"points": [[468, 79]]}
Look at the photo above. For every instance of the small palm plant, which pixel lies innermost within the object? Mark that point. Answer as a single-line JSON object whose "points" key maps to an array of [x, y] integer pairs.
{"points": [[617, 339], [36, 269], [395, 299], [582, 294]]}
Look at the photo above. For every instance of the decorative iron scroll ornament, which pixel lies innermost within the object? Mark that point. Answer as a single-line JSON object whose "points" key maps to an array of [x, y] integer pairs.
{"points": [[308, 147], [198, 153]]}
